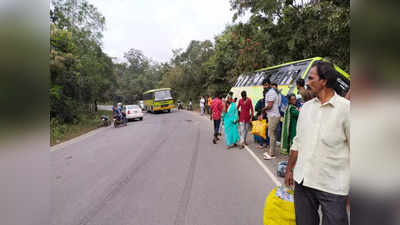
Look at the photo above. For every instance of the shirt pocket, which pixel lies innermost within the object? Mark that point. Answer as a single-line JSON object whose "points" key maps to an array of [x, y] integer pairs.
{"points": [[333, 139], [334, 147], [333, 135]]}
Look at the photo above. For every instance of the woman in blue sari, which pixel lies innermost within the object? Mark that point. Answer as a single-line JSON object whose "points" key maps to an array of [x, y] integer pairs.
{"points": [[231, 118]]}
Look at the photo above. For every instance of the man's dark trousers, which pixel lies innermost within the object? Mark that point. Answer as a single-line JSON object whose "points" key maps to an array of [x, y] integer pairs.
{"points": [[307, 201], [216, 127]]}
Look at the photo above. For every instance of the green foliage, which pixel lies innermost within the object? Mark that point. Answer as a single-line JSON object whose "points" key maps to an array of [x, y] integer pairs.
{"points": [[191, 71], [288, 31], [135, 77], [277, 32], [60, 131], [81, 73]]}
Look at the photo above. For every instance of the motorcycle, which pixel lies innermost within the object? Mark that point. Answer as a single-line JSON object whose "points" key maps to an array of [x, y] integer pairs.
{"points": [[106, 121], [180, 105], [119, 121]]}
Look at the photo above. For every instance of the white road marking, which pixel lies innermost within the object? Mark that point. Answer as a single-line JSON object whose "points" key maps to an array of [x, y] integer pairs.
{"points": [[267, 171]]}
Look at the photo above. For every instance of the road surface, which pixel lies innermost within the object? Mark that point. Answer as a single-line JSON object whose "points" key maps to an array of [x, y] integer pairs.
{"points": [[163, 170]]}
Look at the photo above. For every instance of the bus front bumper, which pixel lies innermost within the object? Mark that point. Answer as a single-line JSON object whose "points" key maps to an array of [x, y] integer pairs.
{"points": [[163, 108]]}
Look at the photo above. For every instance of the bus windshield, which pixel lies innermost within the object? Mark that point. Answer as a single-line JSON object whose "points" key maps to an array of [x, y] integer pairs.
{"points": [[162, 95]]}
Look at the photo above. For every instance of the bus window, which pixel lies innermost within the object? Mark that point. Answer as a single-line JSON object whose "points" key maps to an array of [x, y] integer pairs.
{"points": [[260, 80], [252, 79], [238, 80], [342, 85], [282, 77], [247, 77], [249, 80], [257, 79], [162, 95], [243, 77], [290, 77], [293, 77], [275, 77], [269, 74]]}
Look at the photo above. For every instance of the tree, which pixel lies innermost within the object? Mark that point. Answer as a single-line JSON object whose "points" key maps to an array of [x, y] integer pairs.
{"points": [[290, 31], [81, 73]]}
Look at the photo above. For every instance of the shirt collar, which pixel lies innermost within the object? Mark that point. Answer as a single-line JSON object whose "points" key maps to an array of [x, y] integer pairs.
{"points": [[332, 101]]}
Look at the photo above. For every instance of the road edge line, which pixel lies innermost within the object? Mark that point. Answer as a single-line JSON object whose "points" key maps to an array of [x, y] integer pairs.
{"points": [[266, 170], [260, 163], [77, 139]]}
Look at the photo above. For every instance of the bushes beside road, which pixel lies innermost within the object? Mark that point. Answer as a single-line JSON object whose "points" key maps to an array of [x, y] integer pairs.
{"points": [[85, 122]]}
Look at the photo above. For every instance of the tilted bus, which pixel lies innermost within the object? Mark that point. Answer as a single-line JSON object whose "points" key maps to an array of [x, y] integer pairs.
{"points": [[285, 75]]}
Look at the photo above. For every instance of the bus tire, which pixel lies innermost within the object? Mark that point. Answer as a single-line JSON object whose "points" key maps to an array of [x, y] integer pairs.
{"points": [[169, 110]]}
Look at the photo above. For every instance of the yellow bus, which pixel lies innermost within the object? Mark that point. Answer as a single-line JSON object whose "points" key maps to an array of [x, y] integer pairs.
{"points": [[158, 100], [285, 75]]}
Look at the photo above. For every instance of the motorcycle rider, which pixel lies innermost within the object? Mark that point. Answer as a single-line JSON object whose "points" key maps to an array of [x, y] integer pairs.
{"points": [[117, 113], [180, 105]]}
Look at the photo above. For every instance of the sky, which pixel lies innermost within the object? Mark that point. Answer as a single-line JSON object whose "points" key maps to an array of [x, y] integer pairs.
{"points": [[156, 27]]}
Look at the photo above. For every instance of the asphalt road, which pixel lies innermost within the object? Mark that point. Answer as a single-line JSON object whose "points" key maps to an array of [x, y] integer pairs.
{"points": [[162, 170]]}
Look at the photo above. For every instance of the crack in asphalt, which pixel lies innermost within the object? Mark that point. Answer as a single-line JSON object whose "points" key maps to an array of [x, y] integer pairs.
{"points": [[185, 198], [141, 161]]}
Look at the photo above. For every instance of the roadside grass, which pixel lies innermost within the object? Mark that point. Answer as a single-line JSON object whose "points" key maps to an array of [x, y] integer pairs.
{"points": [[86, 122]]}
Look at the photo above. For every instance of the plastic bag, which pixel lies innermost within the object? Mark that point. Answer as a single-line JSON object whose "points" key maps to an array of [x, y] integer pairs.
{"points": [[281, 168], [279, 207], [259, 128]]}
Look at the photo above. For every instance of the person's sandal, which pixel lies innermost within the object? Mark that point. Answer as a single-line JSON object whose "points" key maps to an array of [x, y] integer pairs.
{"points": [[268, 157]]}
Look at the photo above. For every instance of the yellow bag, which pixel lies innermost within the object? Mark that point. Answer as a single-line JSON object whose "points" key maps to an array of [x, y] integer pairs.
{"points": [[279, 207], [259, 127]]}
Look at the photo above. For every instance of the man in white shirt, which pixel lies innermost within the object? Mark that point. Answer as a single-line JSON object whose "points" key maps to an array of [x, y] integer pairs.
{"points": [[320, 154], [273, 115], [202, 102]]}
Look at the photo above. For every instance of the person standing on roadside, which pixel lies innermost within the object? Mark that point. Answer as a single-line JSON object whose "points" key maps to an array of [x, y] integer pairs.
{"points": [[289, 125], [246, 113], [306, 95], [347, 96], [231, 120], [209, 101], [260, 106], [319, 162], [216, 111], [273, 115], [282, 105], [190, 107], [202, 104]]}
